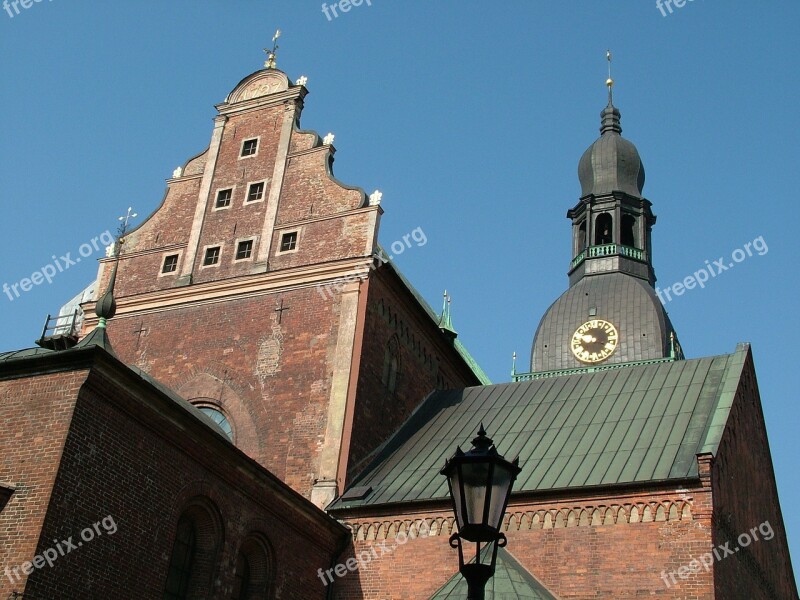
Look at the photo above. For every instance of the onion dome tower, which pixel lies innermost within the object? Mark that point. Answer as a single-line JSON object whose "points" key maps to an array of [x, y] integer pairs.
{"points": [[610, 313]]}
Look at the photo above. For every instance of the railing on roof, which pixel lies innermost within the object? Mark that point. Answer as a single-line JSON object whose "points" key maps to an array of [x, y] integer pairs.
{"points": [[60, 332], [516, 377], [607, 250]]}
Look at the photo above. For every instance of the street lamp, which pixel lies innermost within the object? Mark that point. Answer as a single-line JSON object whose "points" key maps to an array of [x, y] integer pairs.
{"points": [[480, 484]]}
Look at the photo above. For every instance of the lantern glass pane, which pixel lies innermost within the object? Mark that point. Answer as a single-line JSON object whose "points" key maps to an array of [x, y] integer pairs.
{"points": [[501, 484], [476, 481], [455, 490]]}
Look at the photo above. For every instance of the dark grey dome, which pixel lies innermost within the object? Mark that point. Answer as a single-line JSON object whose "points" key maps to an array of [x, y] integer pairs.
{"points": [[629, 303], [611, 163]]}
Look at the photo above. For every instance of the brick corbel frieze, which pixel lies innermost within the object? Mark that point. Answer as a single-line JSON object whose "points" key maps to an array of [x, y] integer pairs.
{"points": [[676, 508]]}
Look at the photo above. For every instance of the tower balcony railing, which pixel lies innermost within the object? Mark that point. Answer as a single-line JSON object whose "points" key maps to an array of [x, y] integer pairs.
{"points": [[60, 332], [607, 250]]}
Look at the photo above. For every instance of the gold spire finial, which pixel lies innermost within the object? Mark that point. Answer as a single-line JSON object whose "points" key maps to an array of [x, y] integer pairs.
{"points": [[272, 53], [609, 81]]}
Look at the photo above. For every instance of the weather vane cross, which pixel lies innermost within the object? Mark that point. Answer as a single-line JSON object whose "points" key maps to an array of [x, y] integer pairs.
{"points": [[126, 220], [609, 81], [272, 53], [113, 250]]}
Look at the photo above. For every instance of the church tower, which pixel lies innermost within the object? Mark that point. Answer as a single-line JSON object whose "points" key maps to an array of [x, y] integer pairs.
{"points": [[610, 313]]}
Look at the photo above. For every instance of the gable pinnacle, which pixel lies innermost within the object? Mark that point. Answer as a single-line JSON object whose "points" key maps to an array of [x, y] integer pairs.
{"points": [[106, 306], [445, 320]]}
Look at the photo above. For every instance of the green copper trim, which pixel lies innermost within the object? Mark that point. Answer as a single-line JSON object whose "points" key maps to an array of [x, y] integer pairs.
{"points": [[465, 355], [558, 373], [445, 320], [608, 250]]}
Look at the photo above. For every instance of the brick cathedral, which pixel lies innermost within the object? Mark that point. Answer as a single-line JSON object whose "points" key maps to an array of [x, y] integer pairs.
{"points": [[256, 404]]}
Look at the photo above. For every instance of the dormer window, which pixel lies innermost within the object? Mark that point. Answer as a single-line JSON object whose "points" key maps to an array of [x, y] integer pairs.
{"points": [[170, 264], [212, 256], [224, 198], [249, 147], [289, 241], [244, 250], [255, 192]]}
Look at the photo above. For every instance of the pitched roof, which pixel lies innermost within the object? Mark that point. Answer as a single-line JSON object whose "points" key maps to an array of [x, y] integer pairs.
{"points": [[511, 580], [634, 424]]}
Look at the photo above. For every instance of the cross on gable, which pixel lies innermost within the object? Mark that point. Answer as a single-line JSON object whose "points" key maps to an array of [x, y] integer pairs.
{"points": [[141, 331]]}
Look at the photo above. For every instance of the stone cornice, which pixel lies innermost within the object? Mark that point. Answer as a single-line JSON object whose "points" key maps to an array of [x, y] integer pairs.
{"points": [[349, 213], [183, 178], [275, 99], [138, 253], [234, 288]]}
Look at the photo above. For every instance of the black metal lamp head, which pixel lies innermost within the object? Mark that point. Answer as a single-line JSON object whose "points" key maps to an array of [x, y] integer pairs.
{"points": [[480, 482]]}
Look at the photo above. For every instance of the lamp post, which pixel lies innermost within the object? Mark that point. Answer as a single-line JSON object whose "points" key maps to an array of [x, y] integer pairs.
{"points": [[480, 484]]}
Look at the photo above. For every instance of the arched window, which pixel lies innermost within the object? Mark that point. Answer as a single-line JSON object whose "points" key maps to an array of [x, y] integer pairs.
{"points": [[198, 537], [391, 364], [218, 417], [181, 561], [604, 227], [253, 569], [581, 236], [629, 231], [242, 585]]}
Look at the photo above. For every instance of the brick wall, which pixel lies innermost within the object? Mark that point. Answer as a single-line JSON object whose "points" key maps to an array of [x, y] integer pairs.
{"points": [[426, 361], [138, 457], [272, 379], [746, 497], [35, 414], [613, 546]]}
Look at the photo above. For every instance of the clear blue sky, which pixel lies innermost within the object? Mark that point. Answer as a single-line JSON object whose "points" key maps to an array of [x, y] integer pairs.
{"points": [[471, 120]]}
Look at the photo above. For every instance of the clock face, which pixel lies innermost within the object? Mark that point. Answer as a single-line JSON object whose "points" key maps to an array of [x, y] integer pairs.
{"points": [[594, 341]]}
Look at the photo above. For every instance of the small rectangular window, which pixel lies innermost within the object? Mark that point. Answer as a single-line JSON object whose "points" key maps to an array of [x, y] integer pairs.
{"points": [[249, 147], [244, 250], [256, 192], [170, 264], [289, 241], [212, 256], [224, 198]]}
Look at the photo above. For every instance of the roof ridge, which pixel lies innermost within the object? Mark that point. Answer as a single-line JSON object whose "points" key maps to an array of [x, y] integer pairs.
{"points": [[712, 435], [459, 346]]}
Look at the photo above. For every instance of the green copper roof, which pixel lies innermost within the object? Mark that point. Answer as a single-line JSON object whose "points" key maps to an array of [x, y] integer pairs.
{"points": [[633, 425], [465, 355], [511, 581]]}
